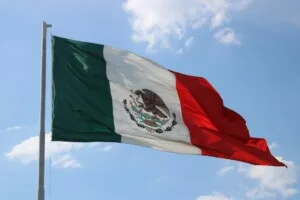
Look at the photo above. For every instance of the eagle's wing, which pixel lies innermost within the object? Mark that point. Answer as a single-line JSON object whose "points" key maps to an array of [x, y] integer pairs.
{"points": [[165, 111]]}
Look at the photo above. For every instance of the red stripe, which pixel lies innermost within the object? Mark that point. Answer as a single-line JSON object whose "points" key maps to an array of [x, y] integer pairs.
{"points": [[217, 130]]}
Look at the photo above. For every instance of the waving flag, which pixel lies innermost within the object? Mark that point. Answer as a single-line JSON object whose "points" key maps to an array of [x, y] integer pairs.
{"points": [[106, 94]]}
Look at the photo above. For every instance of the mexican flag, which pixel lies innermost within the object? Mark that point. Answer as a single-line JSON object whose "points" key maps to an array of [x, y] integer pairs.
{"points": [[104, 94]]}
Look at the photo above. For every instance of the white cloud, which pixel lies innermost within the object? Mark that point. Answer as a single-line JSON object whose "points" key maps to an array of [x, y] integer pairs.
{"points": [[272, 181], [259, 193], [162, 179], [179, 51], [225, 170], [15, 128], [215, 196], [92, 145], [273, 145], [156, 22], [218, 20], [106, 148], [27, 151], [189, 41], [226, 36], [66, 161]]}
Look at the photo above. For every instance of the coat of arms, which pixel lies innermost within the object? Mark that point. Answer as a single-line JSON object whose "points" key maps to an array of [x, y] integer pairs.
{"points": [[149, 111]]}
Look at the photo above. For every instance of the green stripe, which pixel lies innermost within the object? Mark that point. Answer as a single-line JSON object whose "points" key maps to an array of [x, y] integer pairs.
{"points": [[82, 109]]}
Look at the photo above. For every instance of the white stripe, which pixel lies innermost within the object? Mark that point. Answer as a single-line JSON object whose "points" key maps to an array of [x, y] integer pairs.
{"points": [[126, 72], [161, 145]]}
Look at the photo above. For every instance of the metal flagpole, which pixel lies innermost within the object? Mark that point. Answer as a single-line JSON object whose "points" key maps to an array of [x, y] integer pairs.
{"points": [[41, 178]]}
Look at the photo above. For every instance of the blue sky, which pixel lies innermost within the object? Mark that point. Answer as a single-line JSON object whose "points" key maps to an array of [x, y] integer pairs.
{"points": [[248, 49]]}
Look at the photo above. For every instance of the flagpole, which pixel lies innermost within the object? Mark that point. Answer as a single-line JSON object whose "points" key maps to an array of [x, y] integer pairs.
{"points": [[41, 176]]}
